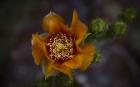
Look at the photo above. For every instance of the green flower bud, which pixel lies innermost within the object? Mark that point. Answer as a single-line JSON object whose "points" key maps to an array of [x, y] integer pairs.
{"points": [[128, 15], [99, 28], [119, 28], [98, 25]]}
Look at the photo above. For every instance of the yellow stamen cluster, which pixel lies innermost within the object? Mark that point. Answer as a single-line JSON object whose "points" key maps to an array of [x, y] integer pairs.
{"points": [[60, 47]]}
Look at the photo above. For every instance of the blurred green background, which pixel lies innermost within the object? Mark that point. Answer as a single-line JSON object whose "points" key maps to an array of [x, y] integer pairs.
{"points": [[119, 65]]}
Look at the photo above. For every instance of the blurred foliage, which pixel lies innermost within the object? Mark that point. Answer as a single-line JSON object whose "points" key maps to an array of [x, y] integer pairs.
{"points": [[89, 38], [128, 15], [60, 80], [96, 58], [102, 30]]}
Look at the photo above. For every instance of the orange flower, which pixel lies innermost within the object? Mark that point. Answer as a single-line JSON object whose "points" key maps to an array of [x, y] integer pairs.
{"points": [[60, 50]]}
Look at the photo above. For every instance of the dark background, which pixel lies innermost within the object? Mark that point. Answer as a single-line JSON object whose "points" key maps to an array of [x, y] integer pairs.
{"points": [[19, 19]]}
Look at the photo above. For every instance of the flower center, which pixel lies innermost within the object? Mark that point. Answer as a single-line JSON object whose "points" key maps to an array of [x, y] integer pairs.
{"points": [[60, 47]]}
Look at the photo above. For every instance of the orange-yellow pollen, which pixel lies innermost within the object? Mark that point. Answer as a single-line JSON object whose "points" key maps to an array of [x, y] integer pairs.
{"points": [[60, 47]]}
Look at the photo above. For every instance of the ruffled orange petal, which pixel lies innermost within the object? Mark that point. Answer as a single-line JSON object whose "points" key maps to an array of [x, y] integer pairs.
{"points": [[48, 69], [74, 18], [38, 48], [63, 69], [88, 55], [83, 59], [78, 27], [52, 22], [74, 63]]}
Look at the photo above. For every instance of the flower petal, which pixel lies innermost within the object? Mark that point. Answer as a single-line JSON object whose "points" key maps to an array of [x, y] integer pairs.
{"points": [[63, 69], [88, 55], [74, 18], [38, 48], [83, 59], [74, 63], [78, 27], [52, 22], [48, 69]]}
